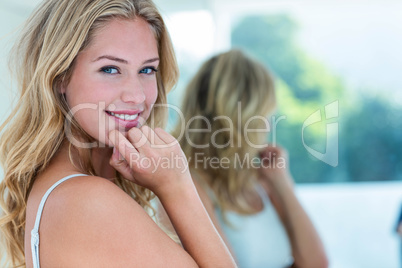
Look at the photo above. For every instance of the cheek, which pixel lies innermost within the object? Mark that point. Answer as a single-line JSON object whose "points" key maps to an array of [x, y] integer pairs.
{"points": [[151, 95], [86, 101], [89, 93]]}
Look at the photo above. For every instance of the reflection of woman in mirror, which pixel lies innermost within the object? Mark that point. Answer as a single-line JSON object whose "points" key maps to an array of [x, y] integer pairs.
{"points": [[253, 205], [106, 62]]}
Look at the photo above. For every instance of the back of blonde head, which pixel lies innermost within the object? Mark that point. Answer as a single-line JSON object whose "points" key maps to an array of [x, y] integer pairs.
{"points": [[43, 59], [227, 91]]}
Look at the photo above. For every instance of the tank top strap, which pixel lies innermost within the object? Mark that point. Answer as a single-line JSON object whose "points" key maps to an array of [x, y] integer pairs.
{"points": [[35, 230], [262, 193]]}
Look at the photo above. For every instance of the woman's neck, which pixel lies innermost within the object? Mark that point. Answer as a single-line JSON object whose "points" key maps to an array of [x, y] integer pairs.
{"points": [[100, 160], [99, 157]]}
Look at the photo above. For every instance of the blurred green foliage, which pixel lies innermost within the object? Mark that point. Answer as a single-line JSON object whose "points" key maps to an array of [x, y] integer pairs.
{"points": [[373, 140], [370, 140]]}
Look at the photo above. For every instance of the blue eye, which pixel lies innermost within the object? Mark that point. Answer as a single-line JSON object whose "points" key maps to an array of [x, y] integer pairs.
{"points": [[148, 70], [110, 70]]}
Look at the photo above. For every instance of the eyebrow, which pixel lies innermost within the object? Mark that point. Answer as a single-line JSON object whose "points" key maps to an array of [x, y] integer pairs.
{"points": [[122, 60]]}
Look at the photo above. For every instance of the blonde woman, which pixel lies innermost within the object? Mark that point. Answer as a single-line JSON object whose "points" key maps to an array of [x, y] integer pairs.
{"points": [[79, 160], [251, 203]]}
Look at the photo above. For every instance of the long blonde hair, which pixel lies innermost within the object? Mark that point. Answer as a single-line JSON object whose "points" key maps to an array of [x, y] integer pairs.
{"points": [[43, 59], [231, 86]]}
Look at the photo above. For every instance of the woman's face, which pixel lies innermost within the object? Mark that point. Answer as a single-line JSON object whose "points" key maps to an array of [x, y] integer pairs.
{"points": [[113, 83]]}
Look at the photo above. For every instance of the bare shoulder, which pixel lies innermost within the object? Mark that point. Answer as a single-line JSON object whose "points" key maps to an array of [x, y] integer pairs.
{"points": [[90, 222]]}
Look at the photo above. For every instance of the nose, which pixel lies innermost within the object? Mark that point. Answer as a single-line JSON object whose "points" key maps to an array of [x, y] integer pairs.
{"points": [[133, 91]]}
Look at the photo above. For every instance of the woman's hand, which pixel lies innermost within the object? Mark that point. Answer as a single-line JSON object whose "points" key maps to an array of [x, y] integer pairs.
{"points": [[274, 167], [152, 159]]}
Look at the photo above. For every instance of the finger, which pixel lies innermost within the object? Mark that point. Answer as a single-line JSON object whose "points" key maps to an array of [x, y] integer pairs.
{"points": [[151, 135], [165, 137], [265, 161], [120, 165], [126, 149], [270, 151], [138, 139], [277, 152]]}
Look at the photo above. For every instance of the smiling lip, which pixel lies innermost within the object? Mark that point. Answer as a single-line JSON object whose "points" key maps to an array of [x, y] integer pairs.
{"points": [[127, 118]]}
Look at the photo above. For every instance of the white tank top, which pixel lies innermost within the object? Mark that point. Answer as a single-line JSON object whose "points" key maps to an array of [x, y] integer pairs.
{"points": [[35, 230], [259, 240]]}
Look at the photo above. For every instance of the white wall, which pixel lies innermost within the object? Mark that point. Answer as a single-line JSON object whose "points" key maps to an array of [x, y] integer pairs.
{"points": [[9, 21], [357, 222]]}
